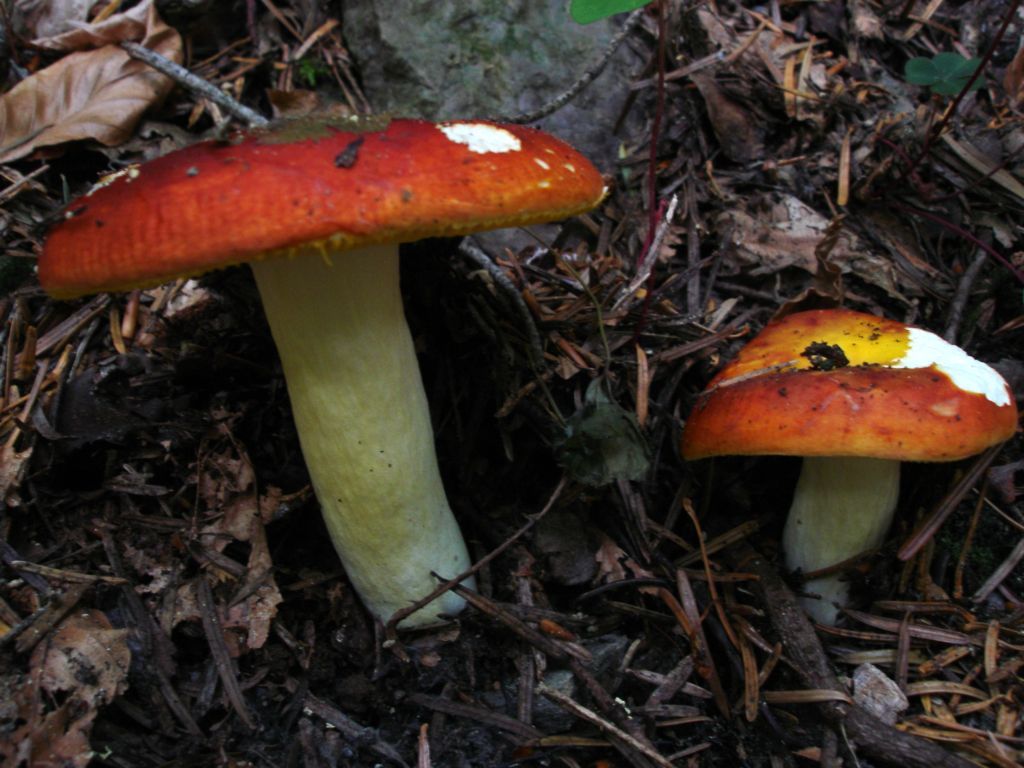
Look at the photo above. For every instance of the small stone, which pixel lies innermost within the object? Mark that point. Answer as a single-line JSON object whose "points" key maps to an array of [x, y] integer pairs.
{"points": [[878, 694]]}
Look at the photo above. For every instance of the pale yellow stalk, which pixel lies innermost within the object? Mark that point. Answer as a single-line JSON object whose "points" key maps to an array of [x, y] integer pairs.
{"points": [[363, 422], [843, 506]]}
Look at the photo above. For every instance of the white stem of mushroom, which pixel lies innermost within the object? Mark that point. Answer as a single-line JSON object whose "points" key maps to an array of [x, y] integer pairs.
{"points": [[364, 425], [843, 506]]}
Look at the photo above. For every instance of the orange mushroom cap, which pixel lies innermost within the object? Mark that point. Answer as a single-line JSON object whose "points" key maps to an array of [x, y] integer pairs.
{"points": [[842, 383], [343, 182]]}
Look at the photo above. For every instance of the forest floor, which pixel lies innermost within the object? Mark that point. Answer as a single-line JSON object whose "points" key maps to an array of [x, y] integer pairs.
{"points": [[169, 595]]}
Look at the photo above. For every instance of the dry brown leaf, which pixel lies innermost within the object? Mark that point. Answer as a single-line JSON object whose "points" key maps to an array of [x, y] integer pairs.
{"points": [[86, 656], [1013, 79], [96, 94], [787, 235], [227, 484], [12, 468], [864, 21], [158, 575], [615, 565], [56, 739], [46, 18], [740, 135], [291, 104], [609, 558], [85, 663], [134, 24]]}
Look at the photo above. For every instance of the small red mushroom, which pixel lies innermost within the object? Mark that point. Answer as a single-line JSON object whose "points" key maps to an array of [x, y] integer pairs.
{"points": [[854, 395]]}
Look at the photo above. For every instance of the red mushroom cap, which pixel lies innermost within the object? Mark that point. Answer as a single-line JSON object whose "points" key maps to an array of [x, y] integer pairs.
{"points": [[842, 383], [343, 182]]}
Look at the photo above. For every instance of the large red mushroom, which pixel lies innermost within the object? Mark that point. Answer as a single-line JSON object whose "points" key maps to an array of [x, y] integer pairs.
{"points": [[317, 207]]}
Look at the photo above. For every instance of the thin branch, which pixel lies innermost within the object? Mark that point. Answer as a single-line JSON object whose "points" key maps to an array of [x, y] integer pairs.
{"points": [[962, 295], [961, 232], [872, 737], [390, 630], [481, 258], [928, 527], [195, 84]]}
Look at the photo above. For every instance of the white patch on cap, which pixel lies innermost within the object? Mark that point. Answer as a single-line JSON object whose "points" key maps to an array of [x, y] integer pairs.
{"points": [[481, 138], [542, 164], [925, 349]]}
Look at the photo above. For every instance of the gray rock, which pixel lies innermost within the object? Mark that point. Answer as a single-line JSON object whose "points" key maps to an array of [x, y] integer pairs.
{"points": [[490, 58]]}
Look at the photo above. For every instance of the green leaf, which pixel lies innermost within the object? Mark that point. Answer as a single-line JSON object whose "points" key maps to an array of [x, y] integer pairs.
{"points": [[945, 73], [920, 71], [587, 11], [603, 441]]}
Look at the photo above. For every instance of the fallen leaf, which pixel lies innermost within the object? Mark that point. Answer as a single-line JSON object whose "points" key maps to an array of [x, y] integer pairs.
{"points": [[609, 557], [740, 135], [55, 739], [83, 664], [158, 576], [615, 565], [227, 484], [134, 24], [97, 94], [47, 18], [86, 656], [1013, 79], [864, 21], [787, 235], [292, 104], [12, 468], [603, 441], [1003, 480]]}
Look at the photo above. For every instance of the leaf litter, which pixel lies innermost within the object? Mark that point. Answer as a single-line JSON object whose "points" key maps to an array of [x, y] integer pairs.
{"points": [[168, 591], [95, 92]]}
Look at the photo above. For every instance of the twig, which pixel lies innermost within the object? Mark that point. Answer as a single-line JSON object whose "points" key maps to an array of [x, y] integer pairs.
{"points": [[36, 625], [961, 232], [870, 735], [1000, 573], [477, 714], [619, 737], [923, 533], [481, 258], [58, 574], [349, 728], [584, 80], [219, 650], [963, 293], [390, 629], [9, 556], [556, 649], [195, 84], [21, 182], [649, 257]]}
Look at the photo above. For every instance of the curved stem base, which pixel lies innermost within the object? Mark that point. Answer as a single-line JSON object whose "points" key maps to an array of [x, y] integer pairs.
{"points": [[842, 506], [364, 424]]}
